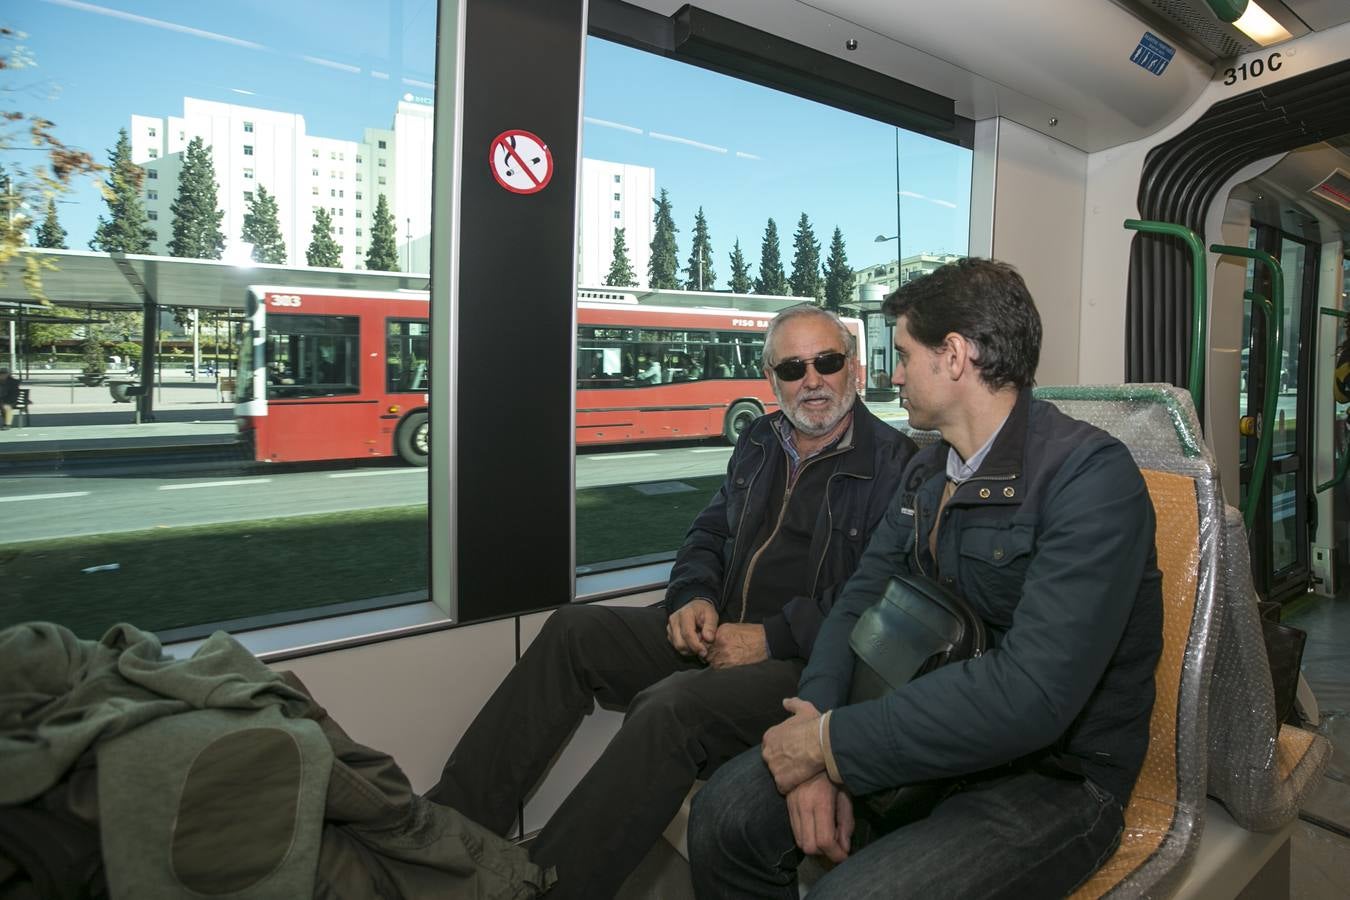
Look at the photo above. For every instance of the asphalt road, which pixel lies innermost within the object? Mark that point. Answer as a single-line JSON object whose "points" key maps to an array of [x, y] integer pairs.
{"points": [[39, 507]]}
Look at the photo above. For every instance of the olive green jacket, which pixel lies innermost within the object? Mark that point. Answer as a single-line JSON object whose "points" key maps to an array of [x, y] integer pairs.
{"points": [[214, 775]]}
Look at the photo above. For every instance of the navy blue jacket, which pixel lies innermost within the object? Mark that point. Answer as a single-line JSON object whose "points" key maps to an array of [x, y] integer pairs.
{"points": [[1052, 543], [711, 562]]}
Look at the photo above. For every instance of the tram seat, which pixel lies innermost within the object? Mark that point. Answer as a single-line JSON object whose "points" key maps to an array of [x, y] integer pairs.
{"points": [[1213, 667]]}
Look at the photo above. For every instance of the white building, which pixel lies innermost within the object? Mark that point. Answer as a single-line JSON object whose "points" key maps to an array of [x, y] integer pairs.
{"points": [[252, 146], [871, 286], [614, 195]]}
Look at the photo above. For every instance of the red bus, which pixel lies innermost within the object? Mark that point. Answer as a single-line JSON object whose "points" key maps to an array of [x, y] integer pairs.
{"points": [[343, 374]]}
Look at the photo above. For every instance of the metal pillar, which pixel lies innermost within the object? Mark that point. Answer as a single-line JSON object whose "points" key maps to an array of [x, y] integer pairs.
{"points": [[145, 403]]}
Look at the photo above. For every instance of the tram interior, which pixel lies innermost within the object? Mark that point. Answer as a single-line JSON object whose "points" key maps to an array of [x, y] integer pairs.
{"points": [[1051, 131]]}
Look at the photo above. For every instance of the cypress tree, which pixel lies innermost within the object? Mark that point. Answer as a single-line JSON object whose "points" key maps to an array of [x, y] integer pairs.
{"points": [[805, 279], [262, 228], [196, 212], [620, 269], [740, 271], [125, 229], [383, 253], [700, 256], [13, 223], [771, 279], [663, 267], [323, 251], [838, 274], [51, 235]]}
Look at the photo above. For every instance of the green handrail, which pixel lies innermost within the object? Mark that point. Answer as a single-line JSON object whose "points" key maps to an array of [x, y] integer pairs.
{"points": [[1343, 463], [1274, 312], [1198, 300], [1274, 350]]}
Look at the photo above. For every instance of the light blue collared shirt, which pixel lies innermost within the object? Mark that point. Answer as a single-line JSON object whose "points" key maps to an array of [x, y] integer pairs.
{"points": [[960, 471]]}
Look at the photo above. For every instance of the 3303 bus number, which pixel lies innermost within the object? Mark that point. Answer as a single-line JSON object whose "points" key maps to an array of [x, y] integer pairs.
{"points": [[285, 300], [1252, 69]]}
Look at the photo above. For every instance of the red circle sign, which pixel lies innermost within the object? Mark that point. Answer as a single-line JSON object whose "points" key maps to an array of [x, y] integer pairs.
{"points": [[520, 162]]}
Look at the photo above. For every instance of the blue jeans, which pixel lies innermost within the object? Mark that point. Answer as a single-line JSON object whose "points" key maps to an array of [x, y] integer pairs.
{"points": [[1018, 835]]}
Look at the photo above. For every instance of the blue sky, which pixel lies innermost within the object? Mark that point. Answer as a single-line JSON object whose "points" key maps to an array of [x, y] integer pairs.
{"points": [[743, 152], [747, 153]]}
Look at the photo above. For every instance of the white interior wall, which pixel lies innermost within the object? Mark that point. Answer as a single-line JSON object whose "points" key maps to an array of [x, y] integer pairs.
{"points": [[429, 689], [1037, 226], [413, 697]]}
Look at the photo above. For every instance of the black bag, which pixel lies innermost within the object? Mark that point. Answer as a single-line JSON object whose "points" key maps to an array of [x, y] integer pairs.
{"points": [[1284, 649], [917, 626]]}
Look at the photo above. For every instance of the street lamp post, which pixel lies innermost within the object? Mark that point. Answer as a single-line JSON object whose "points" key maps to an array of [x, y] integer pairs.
{"points": [[407, 256]]}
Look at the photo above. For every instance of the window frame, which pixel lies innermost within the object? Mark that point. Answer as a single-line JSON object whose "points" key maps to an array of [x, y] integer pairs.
{"points": [[344, 627]]}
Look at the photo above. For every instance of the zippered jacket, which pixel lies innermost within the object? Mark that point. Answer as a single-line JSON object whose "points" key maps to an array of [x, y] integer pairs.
{"points": [[1052, 543], [712, 561]]}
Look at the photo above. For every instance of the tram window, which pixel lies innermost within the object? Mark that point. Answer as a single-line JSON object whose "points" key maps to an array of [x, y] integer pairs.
{"points": [[751, 155], [190, 561]]}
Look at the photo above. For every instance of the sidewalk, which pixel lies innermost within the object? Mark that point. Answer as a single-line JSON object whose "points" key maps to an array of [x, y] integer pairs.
{"points": [[66, 417]]}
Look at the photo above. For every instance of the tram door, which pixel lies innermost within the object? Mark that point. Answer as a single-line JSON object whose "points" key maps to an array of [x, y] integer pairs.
{"points": [[1286, 506]]}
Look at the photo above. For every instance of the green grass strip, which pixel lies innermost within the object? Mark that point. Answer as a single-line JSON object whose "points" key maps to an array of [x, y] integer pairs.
{"points": [[176, 577]]}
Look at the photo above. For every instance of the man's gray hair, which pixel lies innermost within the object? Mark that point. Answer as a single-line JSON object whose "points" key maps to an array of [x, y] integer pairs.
{"points": [[808, 309]]}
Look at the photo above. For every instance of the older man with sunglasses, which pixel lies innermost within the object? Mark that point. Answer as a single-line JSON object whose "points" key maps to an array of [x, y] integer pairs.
{"points": [[702, 675]]}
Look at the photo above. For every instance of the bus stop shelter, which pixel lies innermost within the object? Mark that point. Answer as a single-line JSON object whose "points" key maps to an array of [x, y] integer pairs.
{"points": [[89, 281]]}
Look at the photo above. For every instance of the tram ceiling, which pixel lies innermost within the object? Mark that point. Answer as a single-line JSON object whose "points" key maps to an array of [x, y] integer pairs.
{"points": [[101, 280]]}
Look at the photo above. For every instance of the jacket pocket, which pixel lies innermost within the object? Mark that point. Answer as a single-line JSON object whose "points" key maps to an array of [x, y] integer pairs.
{"points": [[994, 561]]}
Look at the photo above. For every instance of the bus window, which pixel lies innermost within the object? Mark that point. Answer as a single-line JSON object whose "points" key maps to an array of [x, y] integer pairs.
{"points": [[312, 356], [406, 353]]}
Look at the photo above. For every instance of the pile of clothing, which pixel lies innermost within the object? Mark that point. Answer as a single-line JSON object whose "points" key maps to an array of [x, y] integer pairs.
{"points": [[127, 773]]}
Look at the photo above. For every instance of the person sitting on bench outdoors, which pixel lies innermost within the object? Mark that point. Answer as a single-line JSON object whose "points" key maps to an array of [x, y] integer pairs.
{"points": [[703, 674], [1044, 526], [9, 398]]}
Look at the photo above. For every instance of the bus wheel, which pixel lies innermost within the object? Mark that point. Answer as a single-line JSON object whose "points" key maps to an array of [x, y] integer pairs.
{"points": [[739, 418], [413, 439]]}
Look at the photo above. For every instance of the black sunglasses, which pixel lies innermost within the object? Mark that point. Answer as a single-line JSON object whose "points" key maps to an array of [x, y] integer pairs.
{"points": [[795, 369]]}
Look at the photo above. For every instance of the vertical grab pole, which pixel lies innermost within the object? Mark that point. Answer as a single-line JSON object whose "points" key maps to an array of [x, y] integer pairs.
{"points": [[1274, 350], [1274, 311], [1196, 382]]}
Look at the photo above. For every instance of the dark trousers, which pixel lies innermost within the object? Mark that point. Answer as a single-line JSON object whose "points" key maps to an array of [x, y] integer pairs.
{"points": [[683, 721], [1025, 835]]}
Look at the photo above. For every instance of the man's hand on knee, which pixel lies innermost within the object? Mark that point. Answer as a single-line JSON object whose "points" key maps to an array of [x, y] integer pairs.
{"points": [[738, 644], [822, 818], [692, 627], [792, 750]]}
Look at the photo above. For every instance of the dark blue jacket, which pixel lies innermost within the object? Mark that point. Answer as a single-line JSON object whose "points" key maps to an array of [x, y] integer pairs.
{"points": [[1052, 543], [711, 562]]}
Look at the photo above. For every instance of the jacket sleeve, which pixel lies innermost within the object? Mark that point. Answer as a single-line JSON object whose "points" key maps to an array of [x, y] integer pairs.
{"points": [[700, 564], [792, 633], [1094, 538]]}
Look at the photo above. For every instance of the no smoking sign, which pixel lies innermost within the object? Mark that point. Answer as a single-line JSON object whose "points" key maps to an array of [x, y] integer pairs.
{"points": [[520, 162]]}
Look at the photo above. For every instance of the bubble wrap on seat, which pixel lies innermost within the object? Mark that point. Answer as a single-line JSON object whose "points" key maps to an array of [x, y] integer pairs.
{"points": [[1165, 815], [1260, 774]]}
